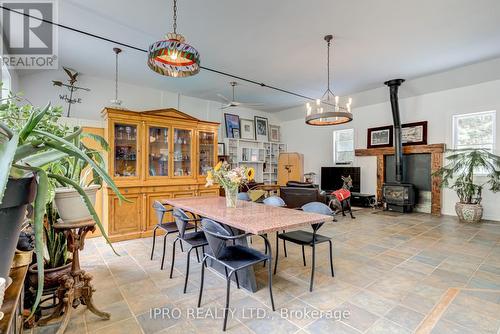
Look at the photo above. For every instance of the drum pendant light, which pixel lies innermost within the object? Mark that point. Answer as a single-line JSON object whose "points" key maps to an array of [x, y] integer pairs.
{"points": [[172, 56]]}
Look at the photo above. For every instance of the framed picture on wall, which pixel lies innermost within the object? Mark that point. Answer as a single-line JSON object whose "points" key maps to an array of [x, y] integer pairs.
{"points": [[232, 122], [261, 128], [247, 129], [414, 133], [380, 137], [236, 133], [221, 149], [274, 133]]}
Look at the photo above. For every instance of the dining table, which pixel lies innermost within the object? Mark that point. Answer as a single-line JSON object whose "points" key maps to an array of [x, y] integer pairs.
{"points": [[247, 217]]}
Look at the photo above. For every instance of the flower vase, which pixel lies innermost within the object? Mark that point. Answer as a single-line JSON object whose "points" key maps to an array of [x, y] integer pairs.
{"points": [[231, 196]]}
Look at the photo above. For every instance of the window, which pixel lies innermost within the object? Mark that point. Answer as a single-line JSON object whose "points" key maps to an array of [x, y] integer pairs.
{"points": [[343, 146], [475, 130]]}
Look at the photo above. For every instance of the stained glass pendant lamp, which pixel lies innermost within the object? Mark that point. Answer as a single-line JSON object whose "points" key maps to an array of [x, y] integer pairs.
{"points": [[172, 56], [327, 110]]}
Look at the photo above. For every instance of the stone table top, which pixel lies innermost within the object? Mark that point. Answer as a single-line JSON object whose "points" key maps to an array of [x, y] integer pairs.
{"points": [[250, 217]]}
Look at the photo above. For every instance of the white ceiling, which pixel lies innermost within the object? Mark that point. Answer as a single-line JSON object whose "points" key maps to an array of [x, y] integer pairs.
{"points": [[281, 43]]}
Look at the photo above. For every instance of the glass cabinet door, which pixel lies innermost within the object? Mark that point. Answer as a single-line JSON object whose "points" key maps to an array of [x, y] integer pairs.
{"points": [[206, 151], [125, 150], [158, 151], [182, 152]]}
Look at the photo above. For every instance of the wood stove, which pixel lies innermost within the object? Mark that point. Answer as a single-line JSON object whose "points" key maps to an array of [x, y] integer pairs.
{"points": [[399, 195]]}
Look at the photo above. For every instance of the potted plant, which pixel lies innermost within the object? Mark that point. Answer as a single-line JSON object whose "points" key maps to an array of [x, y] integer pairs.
{"points": [[230, 179], [31, 139], [468, 172], [70, 205], [57, 262]]}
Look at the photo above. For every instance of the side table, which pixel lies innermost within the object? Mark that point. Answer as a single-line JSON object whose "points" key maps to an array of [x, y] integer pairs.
{"points": [[74, 288]]}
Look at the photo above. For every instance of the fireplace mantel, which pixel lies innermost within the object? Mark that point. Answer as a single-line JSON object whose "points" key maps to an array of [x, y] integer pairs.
{"points": [[436, 151]]}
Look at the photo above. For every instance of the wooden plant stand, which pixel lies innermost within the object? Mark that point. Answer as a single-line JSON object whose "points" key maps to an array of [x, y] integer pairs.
{"points": [[74, 288]]}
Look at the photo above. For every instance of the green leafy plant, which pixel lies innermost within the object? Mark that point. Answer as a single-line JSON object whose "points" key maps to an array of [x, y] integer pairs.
{"points": [[55, 241], [31, 140], [461, 173]]}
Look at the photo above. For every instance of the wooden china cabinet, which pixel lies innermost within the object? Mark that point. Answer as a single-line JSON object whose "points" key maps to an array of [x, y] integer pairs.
{"points": [[154, 155]]}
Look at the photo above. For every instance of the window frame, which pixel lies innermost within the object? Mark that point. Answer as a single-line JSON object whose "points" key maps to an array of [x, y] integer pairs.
{"points": [[456, 118], [335, 161]]}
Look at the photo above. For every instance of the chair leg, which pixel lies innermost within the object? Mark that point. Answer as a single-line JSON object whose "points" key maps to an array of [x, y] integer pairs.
{"points": [[202, 279], [164, 249], [303, 255], [197, 255], [203, 251], [226, 309], [270, 283], [284, 247], [237, 280], [182, 247], [154, 240], [265, 251], [187, 269], [173, 258], [331, 257], [312, 267], [277, 251]]}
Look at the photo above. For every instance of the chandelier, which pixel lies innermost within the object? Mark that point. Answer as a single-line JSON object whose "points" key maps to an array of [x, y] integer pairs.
{"points": [[327, 110], [172, 56]]}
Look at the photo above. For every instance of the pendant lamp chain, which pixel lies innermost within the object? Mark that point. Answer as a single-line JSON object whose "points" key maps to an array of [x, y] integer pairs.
{"points": [[175, 16], [116, 74]]}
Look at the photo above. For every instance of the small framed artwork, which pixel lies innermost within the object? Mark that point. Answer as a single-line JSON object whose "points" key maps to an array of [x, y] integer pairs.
{"points": [[232, 122], [247, 129], [380, 137], [221, 149], [261, 128], [236, 133], [414, 133], [274, 133]]}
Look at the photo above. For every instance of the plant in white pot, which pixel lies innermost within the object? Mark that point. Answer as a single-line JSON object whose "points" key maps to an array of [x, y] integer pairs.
{"points": [[31, 139], [468, 172], [71, 207]]}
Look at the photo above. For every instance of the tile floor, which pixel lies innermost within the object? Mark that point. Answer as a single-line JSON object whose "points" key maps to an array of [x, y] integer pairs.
{"points": [[393, 274]]}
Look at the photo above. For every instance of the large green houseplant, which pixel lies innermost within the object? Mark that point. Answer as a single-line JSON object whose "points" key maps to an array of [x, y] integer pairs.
{"points": [[30, 140], [468, 172]]}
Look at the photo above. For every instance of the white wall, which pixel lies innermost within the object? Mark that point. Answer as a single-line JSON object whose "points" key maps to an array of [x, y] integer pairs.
{"points": [[38, 88], [437, 108]]}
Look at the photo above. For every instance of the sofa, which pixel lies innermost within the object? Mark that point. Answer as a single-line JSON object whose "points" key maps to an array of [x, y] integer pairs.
{"points": [[296, 194]]}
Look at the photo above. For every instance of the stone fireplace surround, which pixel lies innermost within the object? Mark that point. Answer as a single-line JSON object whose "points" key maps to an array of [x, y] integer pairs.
{"points": [[436, 151]]}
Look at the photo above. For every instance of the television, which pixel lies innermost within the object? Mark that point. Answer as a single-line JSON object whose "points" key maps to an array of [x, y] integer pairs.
{"points": [[331, 178]]}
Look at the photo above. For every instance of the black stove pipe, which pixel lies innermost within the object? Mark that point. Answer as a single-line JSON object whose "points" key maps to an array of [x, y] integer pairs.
{"points": [[398, 144]]}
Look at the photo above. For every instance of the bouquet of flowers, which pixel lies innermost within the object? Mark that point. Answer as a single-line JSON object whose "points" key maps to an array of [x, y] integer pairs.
{"points": [[230, 179]]}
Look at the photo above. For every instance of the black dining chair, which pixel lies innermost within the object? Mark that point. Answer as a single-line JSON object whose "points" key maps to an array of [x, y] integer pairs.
{"points": [[169, 228], [306, 238], [194, 239], [232, 257]]}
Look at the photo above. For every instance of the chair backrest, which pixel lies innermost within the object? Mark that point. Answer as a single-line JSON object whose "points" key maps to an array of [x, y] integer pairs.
{"points": [[181, 220], [274, 201], [159, 211], [244, 197], [317, 207], [215, 233]]}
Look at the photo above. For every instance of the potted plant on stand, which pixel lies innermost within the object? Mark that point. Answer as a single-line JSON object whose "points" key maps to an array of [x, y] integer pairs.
{"points": [[31, 139], [70, 206], [57, 262], [468, 172]]}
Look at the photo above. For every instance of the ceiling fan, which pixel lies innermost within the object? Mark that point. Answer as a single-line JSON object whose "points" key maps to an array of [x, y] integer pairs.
{"points": [[230, 103]]}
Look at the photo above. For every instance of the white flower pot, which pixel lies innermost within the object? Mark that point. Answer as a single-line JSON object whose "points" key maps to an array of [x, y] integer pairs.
{"points": [[70, 205]]}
